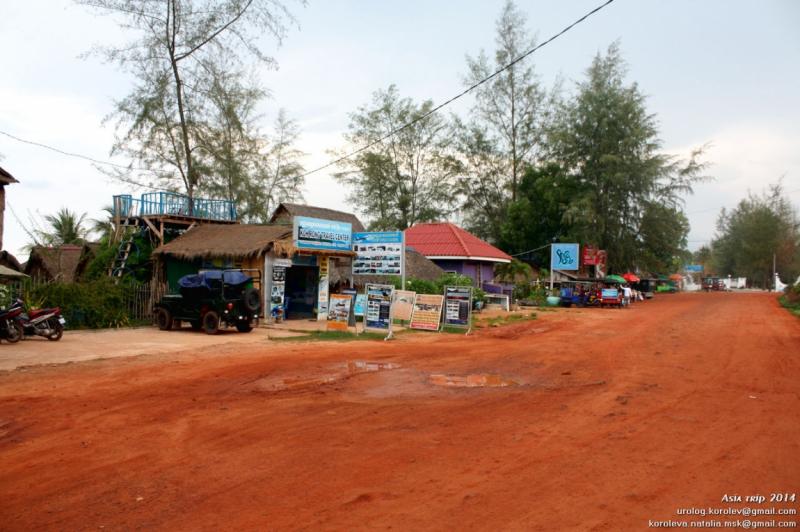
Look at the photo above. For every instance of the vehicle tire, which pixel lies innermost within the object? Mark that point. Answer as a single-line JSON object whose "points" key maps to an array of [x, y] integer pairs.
{"points": [[196, 325], [164, 319], [244, 326], [211, 322], [14, 333], [252, 299], [58, 331]]}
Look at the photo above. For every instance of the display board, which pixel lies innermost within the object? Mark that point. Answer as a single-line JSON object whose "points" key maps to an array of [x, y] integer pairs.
{"points": [[278, 287], [403, 304], [361, 304], [457, 306], [378, 253], [427, 312], [339, 310], [694, 268], [313, 233], [353, 294], [564, 257], [379, 307], [322, 292]]}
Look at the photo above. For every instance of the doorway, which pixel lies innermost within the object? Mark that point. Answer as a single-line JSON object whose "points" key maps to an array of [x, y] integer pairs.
{"points": [[301, 291]]}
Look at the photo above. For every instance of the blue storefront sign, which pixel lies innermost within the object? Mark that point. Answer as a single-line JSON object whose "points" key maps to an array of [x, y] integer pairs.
{"points": [[313, 233], [378, 253], [564, 257], [695, 268]]}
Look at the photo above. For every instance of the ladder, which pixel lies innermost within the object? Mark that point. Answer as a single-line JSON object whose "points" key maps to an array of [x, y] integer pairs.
{"points": [[117, 268]]}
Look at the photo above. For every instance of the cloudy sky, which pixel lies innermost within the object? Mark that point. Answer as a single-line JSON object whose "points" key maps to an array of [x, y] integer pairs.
{"points": [[718, 71]]}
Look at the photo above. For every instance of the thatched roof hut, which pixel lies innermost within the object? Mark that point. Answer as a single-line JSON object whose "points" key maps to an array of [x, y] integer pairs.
{"points": [[286, 212], [63, 264], [10, 261], [6, 178], [209, 241]]}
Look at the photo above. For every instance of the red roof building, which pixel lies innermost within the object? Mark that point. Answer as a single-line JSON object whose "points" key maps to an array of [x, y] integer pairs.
{"points": [[456, 250]]}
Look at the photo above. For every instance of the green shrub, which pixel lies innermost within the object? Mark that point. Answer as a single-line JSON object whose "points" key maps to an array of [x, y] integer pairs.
{"points": [[86, 305]]}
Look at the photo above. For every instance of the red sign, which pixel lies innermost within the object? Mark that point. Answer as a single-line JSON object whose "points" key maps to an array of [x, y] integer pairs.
{"points": [[589, 255]]}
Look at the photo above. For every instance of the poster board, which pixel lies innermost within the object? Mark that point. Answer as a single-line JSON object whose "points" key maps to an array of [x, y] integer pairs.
{"points": [[278, 293], [378, 253], [322, 292], [378, 312], [458, 306], [403, 304], [339, 311], [427, 312], [361, 305], [353, 294]]}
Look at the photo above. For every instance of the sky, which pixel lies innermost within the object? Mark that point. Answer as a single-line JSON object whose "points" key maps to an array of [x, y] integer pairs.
{"points": [[723, 72]]}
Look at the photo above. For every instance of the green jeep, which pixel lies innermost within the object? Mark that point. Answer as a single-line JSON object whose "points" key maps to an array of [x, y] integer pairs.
{"points": [[209, 300]]}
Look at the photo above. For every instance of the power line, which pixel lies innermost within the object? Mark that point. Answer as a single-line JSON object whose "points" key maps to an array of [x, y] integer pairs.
{"points": [[459, 95], [363, 148]]}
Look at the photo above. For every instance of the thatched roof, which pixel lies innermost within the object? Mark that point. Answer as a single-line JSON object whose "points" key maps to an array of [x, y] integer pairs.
{"points": [[229, 241], [6, 178], [287, 211], [10, 261], [417, 266], [55, 263]]}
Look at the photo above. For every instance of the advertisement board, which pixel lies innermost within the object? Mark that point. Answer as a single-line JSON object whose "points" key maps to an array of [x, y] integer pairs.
{"points": [[590, 255], [378, 253], [564, 256], [313, 233], [339, 312], [693, 268], [361, 304], [278, 287], [322, 291], [403, 303], [378, 314], [427, 312], [457, 306]]}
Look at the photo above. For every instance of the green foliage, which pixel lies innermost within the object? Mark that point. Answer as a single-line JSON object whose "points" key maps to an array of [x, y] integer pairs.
{"points": [[791, 299], [608, 144], [64, 227], [93, 305], [408, 178], [422, 286], [758, 228]]}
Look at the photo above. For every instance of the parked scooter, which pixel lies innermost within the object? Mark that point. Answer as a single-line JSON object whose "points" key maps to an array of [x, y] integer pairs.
{"points": [[46, 322], [10, 328]]}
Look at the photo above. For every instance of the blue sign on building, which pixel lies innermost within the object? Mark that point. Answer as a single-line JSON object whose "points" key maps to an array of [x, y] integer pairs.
{"points": [[696, 268], [564, 257], [378, 253], [313, 233]]}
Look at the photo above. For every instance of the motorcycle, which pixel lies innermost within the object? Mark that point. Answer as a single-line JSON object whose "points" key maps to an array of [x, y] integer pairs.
{"points": [[10, 328], [46, 322]]}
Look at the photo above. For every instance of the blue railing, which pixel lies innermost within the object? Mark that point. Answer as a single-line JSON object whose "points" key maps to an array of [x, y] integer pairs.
{"points": [[171, 203]]}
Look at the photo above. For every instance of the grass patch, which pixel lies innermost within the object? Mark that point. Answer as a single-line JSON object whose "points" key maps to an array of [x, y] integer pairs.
{"points": [[335, 336], [497, 321], [791, 306]]}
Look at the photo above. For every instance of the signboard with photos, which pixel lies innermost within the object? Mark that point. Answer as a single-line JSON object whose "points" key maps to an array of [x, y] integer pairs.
{"points": [[457, 306], [378, 253], [427, 312], [378, 314]]}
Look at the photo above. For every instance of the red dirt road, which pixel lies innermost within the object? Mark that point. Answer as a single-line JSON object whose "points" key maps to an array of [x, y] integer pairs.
{"points": [[611, 418]]}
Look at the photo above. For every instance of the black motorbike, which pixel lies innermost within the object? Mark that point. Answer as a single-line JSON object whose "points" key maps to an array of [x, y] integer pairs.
{"points": [[46, 322]]}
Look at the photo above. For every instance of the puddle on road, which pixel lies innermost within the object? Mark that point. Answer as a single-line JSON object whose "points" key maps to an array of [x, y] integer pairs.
{"points": [[353, 367], [363, 366], [475, 380]]}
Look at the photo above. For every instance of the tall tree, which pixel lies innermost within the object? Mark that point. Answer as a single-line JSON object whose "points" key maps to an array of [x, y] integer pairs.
{"points": [[408, 177], [608, 143], [175, 57], [506, 124], [759, 230]]}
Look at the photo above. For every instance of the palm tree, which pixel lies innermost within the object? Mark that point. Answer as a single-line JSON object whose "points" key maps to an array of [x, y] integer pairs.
{"points": [[104, 227], [65, 227]]}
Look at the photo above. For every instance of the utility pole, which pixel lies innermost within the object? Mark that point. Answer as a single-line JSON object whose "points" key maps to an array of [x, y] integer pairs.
{"points": [[774, 275]]}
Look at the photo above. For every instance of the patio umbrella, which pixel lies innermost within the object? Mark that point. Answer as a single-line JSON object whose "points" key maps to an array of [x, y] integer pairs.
{"points": [[614, 279], [8, 273], [631, 277], [676, 277]]}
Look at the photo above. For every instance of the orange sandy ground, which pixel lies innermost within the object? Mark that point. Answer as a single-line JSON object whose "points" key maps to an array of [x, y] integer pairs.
{"points": [[609, 418]]}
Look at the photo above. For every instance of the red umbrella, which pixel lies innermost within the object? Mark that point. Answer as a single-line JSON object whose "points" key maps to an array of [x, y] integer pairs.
{"points": [[676, 277], [631, 277]]}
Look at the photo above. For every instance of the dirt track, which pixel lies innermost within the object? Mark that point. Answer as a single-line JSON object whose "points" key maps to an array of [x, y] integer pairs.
{"points": [[610, 418]]}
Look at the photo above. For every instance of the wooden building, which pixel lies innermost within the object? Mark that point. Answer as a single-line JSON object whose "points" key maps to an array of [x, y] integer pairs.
{"points": [[5, 179]]}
